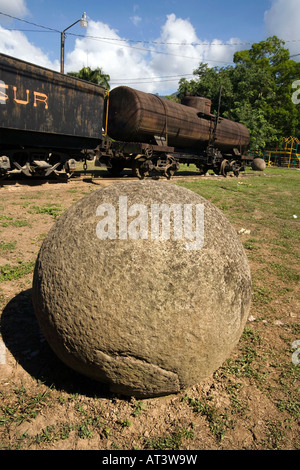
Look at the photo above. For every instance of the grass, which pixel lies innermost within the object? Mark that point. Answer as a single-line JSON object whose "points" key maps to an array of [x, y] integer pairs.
{"points": [[280, 191], [218, 422], [171, 441], [23, 406], [9, 221], [247, 364], [9, 246], [260, 368], [54, 210], [9, 272]]}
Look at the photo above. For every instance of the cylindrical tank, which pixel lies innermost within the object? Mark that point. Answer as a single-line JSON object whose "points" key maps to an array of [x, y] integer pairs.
{"points": [[202, 104], [135, 116]]}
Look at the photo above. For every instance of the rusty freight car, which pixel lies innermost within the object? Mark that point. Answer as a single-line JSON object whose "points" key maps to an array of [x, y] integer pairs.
{"points": [[153, 133], [47, 120]]}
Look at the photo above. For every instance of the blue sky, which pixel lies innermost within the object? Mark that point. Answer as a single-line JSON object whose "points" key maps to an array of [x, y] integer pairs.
{"points": [[150, 44]]}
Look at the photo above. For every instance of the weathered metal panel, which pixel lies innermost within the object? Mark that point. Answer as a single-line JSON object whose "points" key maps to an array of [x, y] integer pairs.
{"points": [[200, 103], [138, 116], [38, 100]]}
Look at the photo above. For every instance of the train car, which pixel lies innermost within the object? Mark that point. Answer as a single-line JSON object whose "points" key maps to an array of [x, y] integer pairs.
{"points": [[155, 134], [47, 120]]}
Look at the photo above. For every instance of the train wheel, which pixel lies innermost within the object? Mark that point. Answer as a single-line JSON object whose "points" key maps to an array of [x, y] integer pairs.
{"points": [[235, 168], [203, 168], [141, 167], [224, 167]]}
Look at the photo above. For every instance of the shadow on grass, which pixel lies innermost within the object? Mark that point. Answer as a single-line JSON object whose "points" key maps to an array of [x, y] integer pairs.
{"points": [[23, 338]]}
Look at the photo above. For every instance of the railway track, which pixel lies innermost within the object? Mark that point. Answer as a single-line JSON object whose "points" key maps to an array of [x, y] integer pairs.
{"points": [[105, 178]]}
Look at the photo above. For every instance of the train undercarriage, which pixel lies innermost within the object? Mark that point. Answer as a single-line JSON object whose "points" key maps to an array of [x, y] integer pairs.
{"points": [[40, 163], [158, 160], [143, 159]]}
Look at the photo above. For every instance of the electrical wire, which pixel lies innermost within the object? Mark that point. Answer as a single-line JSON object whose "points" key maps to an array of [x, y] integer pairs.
{"points": [[164, 76], [29, 22], [204, 43], [127, 44], [127, 40], [153, 51], [108, 41]]}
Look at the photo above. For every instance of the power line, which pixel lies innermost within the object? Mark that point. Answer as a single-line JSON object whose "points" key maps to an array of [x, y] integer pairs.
{"points": [[155, 51], [164, 78], [29, 22], [108, 41], [128, 40], [240, 43], [164, 43], [138, 82], [30, 30], [143, 49]]}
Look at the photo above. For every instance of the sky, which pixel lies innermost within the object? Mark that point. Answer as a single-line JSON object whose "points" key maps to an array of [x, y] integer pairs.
{"points": [[148, 45]]}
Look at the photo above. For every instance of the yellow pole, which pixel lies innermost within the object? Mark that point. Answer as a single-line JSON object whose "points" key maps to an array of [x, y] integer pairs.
{"points": [[106, 117]]}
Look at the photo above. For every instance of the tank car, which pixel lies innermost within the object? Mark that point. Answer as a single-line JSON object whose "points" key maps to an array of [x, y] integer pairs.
{"points": [[153, 133], [49, 120]]}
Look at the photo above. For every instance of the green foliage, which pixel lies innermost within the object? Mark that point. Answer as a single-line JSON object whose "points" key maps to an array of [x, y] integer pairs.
{"points": [[51, 209], [95, 76], [8, 272], [218, 423], [9, 246], [256, 91], [173, 441]]}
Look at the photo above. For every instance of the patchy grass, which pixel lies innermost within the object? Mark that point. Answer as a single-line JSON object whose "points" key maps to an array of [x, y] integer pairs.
{"points": [[250, 402], [9, 246], [9, 221], [9, 273], [54, 210], [171, 441]]}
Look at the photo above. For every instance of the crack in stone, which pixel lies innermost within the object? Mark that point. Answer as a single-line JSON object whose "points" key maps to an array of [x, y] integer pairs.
{"points": [[138, 372]]}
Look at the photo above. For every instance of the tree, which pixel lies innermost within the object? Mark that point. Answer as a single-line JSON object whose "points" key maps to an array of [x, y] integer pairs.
{"points": [[95, 76], [269, 62], [256, 91], [208, 84]]}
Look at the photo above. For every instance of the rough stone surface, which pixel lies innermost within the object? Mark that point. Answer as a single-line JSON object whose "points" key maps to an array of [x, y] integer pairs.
{"points": [[148, 317], [258, 164]]}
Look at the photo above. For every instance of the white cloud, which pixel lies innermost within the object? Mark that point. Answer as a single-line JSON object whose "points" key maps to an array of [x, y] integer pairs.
{"points": [[16, 8], [16, 44], [135, 19], [283, 20], [184, 50], [113, 54], [177, 52]]}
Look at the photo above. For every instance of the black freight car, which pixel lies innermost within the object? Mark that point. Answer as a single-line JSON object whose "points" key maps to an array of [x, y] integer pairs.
{"points": [[47, 120]]}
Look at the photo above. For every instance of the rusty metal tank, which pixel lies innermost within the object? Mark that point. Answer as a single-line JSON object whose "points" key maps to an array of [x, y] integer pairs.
{"points": [[135, 116], [202, 104]]}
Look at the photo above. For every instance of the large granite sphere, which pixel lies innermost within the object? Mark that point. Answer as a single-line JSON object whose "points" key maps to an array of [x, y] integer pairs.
{"points": [[149, 313], [258, 164]]}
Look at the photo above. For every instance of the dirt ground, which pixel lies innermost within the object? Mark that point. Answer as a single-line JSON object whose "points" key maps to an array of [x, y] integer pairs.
{"points": [[249, 403]]}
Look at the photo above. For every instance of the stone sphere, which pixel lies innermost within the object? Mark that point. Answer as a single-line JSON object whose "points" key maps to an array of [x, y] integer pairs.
{"points": [[144, 286], [258, 164]]}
